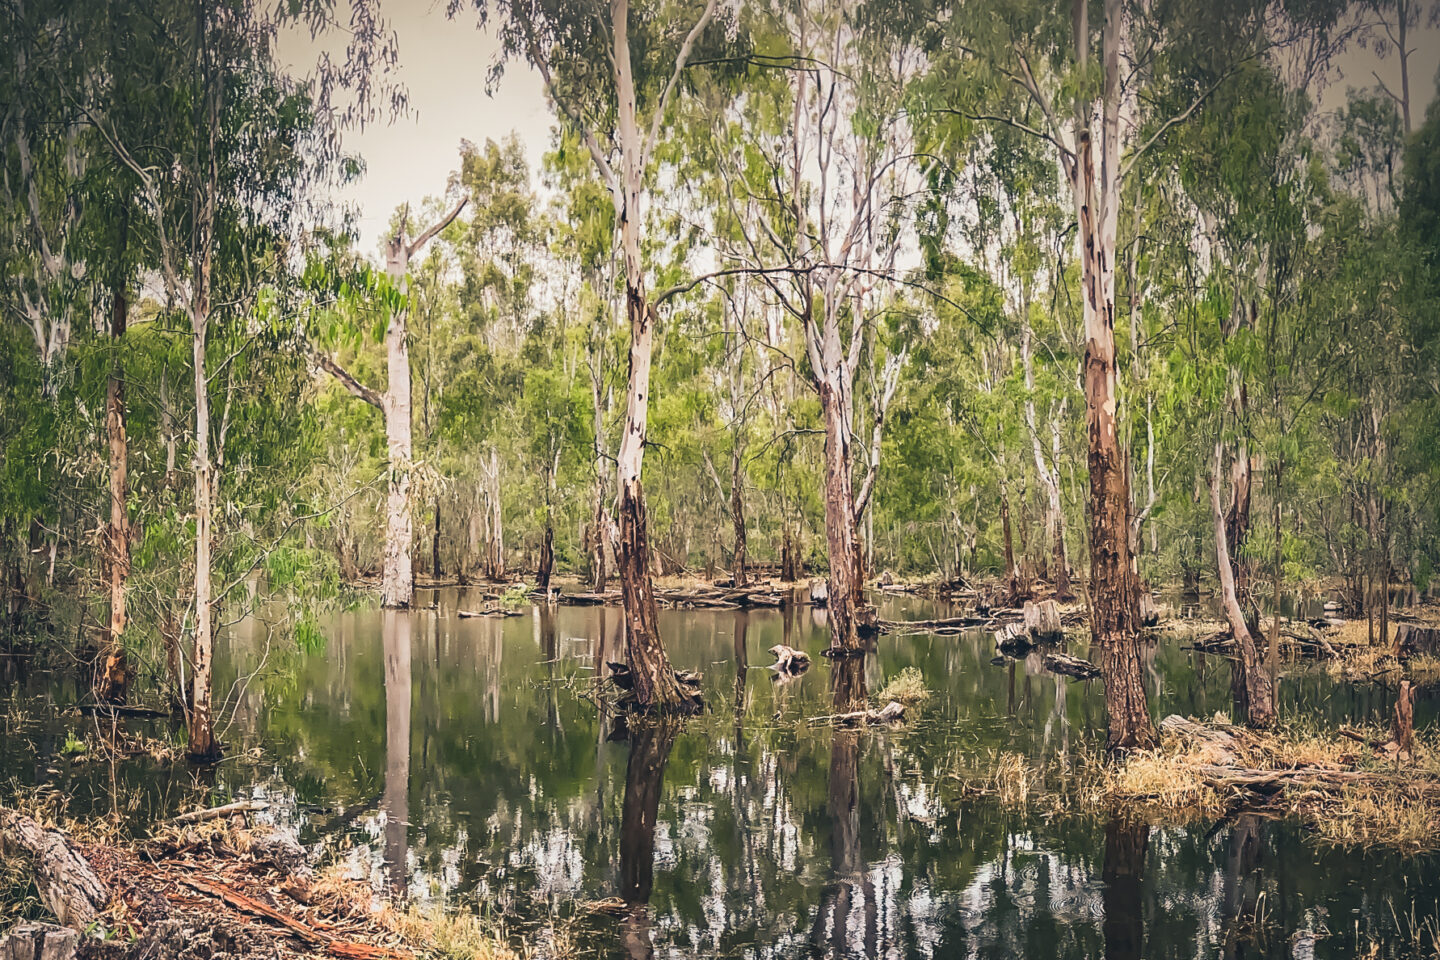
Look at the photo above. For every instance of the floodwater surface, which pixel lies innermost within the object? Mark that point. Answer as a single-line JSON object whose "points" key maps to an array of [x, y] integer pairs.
{"points": [[467, 761]]}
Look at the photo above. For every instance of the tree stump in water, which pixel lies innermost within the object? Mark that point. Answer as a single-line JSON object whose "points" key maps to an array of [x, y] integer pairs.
{"points": [[788, 660], [1071, 666], [1413, 638], [1149, 613], [819, 592], [1013, 638], [68, 887], [1405, 719], [1042, 620]]}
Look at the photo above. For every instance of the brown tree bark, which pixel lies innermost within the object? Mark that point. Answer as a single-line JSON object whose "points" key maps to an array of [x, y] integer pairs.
{"points": [[1113, 600]]}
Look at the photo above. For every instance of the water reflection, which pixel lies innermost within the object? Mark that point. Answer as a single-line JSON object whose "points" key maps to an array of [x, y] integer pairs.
{"points": [[1123, 874], [750, 832], [395, 801], [650, 745]]}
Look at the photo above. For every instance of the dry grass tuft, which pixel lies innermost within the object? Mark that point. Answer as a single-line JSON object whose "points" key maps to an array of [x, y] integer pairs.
{"points": [[907, 686], [449, 933]]}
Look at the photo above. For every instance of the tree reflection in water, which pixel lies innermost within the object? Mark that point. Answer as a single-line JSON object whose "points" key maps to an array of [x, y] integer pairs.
{"points": [[650, 744], [1123, 874], [836, 923], [395, 802]]}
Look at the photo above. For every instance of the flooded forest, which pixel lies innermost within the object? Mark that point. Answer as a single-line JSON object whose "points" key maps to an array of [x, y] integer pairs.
{"points": [[788, 479]]}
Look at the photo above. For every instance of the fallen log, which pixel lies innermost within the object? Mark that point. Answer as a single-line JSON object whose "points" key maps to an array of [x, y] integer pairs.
{"points": [[947, 623], [68, 886], [1071, 666], [224, 810], [498, 612], [890, 713]]}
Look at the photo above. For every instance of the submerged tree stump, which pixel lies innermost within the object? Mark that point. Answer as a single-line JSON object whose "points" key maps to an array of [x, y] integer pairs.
{"points": [[1042, 620], [788, 660], [819, 592], [1149, 613], [1071, 666], [68, 886], [1013, 638]]}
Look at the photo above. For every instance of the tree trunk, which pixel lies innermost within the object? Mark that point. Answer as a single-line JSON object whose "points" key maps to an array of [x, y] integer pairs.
{"points": [[435, 568], [1112, 581], [497, 520], [844, 586], [202, 743], [1254, 692], [114, 680], [547, 555], [655, 683], [737, 512], [397, 583]]}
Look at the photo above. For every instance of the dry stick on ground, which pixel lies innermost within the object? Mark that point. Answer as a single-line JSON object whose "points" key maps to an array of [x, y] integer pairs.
{"points": [[225, 810]]}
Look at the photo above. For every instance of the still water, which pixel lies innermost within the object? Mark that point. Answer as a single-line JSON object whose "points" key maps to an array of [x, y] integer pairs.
{"points": [[466, 761]]}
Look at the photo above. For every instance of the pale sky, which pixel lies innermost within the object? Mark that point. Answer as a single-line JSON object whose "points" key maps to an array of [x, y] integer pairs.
{"points": [[443, 65]]}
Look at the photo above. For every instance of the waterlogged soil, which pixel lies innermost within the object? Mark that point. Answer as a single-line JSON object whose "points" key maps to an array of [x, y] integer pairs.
{"points": [[466, 761]]}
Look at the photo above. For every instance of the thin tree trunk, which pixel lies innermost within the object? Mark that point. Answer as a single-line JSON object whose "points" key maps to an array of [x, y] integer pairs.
{"points": [[1254, 693], [114, 683], [202, 743], [737, 512], [844, 585], [397, 579], [435, 569]]}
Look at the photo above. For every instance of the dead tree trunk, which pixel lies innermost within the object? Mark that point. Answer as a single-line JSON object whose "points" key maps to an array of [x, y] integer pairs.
{"points": [[397, 582]]}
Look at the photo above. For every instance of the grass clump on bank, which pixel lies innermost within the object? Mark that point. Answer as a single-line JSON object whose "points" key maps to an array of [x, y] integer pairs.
{"points": [[1351, 792]]}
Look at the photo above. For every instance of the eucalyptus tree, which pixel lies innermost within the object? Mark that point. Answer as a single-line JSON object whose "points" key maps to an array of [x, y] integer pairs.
{"points": [[395, 403], [1101, 92], [220, 183], [619, 114], [829, 158]]}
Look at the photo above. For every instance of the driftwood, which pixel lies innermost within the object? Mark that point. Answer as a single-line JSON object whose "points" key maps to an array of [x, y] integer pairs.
{"points": [[890, 713], [788, 660], [496, 612], [225, 810], [947, 623], [68, 886], [1071, 666]]}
